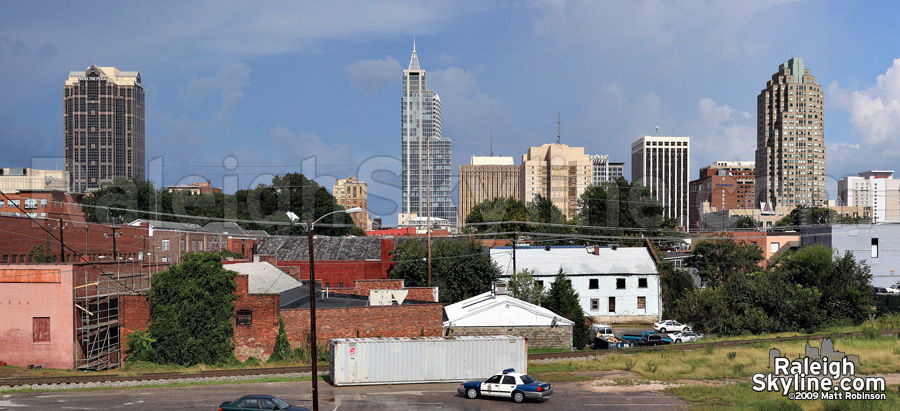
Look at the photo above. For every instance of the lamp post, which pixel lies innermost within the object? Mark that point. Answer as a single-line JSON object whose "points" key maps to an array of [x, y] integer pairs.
{"points": [[310, 224]]}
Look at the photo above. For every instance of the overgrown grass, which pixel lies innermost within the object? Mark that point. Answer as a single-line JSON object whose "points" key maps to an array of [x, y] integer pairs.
{"points": [[742, 397], [710, 363]]}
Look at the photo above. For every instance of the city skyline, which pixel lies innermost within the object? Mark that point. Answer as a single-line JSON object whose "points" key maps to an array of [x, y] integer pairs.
{"points": [[244, 96]]}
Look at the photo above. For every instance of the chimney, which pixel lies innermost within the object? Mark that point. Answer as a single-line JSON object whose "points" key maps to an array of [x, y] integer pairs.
{"points": [[499, 288], [614, 247], [596, 250]]}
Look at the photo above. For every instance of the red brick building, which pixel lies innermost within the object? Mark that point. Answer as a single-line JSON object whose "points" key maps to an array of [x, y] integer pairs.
{"points": [[725, 185], [51, 204], [340, 261]]}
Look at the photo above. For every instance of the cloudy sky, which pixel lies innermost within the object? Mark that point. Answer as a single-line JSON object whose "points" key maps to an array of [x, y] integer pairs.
{"points": [[314, 86]]}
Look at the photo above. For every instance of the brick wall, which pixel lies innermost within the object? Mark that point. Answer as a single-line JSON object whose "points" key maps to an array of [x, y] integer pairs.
{"points": [[538, 337], [258, 338], [134, 314], [373, 321]]}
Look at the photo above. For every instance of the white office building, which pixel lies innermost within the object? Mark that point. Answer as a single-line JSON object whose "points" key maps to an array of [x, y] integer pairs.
{"points": [[662, 164]]}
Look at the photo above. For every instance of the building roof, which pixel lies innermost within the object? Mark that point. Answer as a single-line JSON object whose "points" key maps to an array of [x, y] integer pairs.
{"points": [[488, 310], [264, 277], [575, 260], [298, 297], [327, 248], [232, 229], [168, 225]]}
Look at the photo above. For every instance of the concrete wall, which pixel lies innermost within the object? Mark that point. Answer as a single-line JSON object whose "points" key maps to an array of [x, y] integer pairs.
{"points": [[857, 238], [537, 336], [36, 291]]}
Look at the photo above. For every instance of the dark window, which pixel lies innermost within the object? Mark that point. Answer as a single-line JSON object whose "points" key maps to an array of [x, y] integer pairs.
{"points": [[249, 403], [612, 304], [41, 329], [874, 248], [620, 283], [594, 284], [642, 283], [341, 285], [540, 283], [595, 304], [509, 380], [494, 380], [642, 303], [244, 317], [266, 404]]}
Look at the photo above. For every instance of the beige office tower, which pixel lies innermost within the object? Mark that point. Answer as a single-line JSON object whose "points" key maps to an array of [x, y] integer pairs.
{"points": [[557, 172], [662, 164], [487, 178], [790, 139], [103, 123], [350, 193]]}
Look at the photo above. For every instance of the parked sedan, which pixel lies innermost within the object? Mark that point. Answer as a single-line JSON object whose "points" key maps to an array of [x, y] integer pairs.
{"points": [[259, 402], [685, 336], [509, 384], [894, 289], [670, 326]]}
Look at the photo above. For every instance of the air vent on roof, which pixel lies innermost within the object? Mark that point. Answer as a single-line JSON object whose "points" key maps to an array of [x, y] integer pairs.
{"points": [[499, 288]]}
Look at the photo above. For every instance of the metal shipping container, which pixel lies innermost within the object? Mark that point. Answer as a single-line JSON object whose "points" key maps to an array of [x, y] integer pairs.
{"points": [[361, 361]]}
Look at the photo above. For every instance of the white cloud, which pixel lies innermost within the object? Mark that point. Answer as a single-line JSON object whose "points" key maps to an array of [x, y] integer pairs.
{"points": [[231, 81], [370, 75], [875, 111], [721, 133], [653, 24], [446, 59]]}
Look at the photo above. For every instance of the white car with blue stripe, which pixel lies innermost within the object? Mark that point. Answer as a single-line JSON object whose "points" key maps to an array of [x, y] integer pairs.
{"points": [[509, 384]]}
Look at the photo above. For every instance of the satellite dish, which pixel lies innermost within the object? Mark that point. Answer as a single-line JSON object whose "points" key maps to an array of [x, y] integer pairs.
{"points": [[48, 181]]}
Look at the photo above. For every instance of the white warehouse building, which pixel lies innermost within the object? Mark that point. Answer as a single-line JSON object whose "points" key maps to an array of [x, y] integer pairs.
{"points": [[614, 284]]}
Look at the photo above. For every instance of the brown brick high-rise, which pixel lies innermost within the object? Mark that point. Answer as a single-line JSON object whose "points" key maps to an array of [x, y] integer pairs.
{"points": [[103, 124], [790, 138]]}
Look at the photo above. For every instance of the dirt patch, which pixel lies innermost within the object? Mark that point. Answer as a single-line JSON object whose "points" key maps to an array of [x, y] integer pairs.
{"points": [[632, 384]]}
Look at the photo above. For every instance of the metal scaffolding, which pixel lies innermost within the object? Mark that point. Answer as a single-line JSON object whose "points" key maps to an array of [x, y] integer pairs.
{"points": [[98, 287]]}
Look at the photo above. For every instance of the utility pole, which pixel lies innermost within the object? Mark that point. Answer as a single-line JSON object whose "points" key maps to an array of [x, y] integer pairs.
{"points": [[312, 317], [514, 256], [428, 207], [115, 249], [62, 244]]}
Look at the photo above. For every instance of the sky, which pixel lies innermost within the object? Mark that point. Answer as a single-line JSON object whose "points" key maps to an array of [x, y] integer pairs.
{"points": [[237, 92]]}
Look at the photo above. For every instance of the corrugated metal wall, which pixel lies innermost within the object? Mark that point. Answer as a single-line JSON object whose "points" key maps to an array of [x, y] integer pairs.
{"points": [[360, 361]]}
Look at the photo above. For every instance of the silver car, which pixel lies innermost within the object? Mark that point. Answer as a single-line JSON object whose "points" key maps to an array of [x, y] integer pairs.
{"points": [[685, 336]]}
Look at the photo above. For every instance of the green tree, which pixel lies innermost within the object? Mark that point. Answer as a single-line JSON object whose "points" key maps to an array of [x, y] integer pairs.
{"points": [[282, 349], [803, 215], [614, 206], [746, 222], [461, 268], [191, 310], [718, 259], [675, 286], [563, 300], [523, 286], [41, 253]]}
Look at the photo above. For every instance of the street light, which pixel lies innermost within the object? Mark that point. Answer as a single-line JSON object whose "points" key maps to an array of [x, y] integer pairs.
{"points": [[310, 224]]}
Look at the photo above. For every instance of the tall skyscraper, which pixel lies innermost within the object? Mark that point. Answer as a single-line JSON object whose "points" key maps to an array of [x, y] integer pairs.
{"points": [[661, 164], [559, 173], [104, 126], [487, 178], [790, 139], [420, 122]]}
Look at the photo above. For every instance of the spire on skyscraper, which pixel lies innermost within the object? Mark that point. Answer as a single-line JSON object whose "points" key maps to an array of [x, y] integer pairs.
{"points": [[414, 60]]}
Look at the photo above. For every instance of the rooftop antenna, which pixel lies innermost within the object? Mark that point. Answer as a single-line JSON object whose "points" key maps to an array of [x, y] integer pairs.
{"points": [[492, 142], [558, 118], [657, 131]]}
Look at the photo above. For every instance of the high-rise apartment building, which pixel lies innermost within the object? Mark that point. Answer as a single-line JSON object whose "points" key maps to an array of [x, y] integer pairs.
{"points": [[661, 164], [420, 118], [103, 123], [724, 185], [605, 171], [350, 193], [559, 173], [487, 178], [876, 191], [790, 138]]}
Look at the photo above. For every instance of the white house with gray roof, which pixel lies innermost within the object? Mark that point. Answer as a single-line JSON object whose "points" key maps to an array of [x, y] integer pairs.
{"points": [[619, 284]]}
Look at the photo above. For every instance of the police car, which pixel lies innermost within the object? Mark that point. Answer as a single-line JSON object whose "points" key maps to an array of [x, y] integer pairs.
{"points": [[508, 384]]}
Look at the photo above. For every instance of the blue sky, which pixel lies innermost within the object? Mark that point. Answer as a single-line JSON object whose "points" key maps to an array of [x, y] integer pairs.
{"points": [[315, 86]]}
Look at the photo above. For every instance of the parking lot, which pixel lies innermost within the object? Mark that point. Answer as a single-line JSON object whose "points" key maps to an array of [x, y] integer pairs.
{"points": [[567, 395]]}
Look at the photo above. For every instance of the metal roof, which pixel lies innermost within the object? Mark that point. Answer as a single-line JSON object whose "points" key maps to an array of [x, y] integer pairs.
{"points": [[576, 261], [327, 248], [168, 225], [264, 277], [487, 310]]}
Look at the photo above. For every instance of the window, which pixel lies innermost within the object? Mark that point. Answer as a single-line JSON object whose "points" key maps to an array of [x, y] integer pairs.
{"points": [[244, 317], [1, 203], [620, 283], [612, 304], [41, 329], [540, 283], [165, 245], [593, 284], [642, 283], [165, 259], [249, 403], [327, 285], [874, 248], [642, 303], [595, 304], [43, 202], [774, 247], [509, 380], [341, 284], [30, 203]]}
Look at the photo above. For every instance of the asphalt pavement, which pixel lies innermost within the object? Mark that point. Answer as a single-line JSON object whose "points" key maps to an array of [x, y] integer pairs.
{"points": [[566, 395]]}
